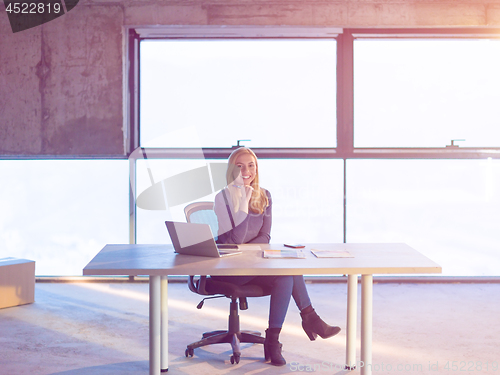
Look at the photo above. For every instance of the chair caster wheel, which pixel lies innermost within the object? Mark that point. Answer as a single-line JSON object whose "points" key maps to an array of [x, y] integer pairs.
{"points": [[235, 358], [189, 352]]}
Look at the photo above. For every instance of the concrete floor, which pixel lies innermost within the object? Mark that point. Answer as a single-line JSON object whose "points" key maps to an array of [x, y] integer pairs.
{"points": [[102, 328]]}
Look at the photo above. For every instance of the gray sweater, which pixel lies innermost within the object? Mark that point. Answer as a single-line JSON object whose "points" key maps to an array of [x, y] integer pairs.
{"points": [[248, 228]]}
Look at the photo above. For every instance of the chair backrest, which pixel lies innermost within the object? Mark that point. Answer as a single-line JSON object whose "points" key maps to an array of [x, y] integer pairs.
{"points": [[202, 212]]}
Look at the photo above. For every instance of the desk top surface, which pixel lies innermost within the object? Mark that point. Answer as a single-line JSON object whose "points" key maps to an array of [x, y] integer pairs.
{"points": [[378, 258]]}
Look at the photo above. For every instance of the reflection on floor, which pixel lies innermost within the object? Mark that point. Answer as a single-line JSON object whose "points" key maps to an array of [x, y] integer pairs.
{"points": [[102, 328]]}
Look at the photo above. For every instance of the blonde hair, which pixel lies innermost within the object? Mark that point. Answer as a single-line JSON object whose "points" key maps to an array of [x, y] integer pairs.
{"points": [[259, 200]]}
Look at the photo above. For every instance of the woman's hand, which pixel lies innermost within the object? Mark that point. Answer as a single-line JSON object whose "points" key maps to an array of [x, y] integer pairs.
{"points": [[247, 195], [242, 193]]}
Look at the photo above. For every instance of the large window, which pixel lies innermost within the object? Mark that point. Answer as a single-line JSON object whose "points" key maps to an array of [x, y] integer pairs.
{"points": [[447, 209], [363, 135], [426, 93], [60, 213], [211, 93], [307, 198]]}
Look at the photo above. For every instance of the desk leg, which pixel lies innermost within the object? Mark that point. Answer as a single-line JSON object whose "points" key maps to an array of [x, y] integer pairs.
{"points": [[154, 325], [366, 323], [164, 323], [352, 314]]}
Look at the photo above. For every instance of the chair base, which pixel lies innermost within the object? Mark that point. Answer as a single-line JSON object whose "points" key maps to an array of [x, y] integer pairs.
{"points": [[212, 333], [221, 337], [232, 336]]}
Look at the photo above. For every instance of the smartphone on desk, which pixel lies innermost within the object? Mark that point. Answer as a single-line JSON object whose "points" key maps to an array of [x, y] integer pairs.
{"points": [[294, 245]]}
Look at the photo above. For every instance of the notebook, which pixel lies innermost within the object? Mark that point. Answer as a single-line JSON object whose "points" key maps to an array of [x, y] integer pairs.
{"points": [[197, 239]]}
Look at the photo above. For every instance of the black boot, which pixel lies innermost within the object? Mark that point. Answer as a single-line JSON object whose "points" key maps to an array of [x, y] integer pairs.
{"points": [[272, 347], [313, 325]]}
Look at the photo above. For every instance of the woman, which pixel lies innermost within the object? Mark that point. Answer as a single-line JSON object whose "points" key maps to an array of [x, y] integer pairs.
{"points": [[244, 212]]}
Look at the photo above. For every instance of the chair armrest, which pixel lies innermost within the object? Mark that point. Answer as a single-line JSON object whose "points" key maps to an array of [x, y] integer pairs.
{"points": [[198, 286]]}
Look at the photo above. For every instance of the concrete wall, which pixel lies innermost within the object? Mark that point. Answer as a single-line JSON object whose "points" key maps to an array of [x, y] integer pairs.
{"points": [[61, 84]]}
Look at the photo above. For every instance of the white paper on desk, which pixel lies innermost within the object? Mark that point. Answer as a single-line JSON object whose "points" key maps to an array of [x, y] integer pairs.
{"points": [[284, 253], [332, 253], [249, 246]]}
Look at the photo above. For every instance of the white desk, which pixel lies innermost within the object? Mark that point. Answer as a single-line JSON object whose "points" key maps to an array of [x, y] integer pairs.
{"points": [[159, 261]]}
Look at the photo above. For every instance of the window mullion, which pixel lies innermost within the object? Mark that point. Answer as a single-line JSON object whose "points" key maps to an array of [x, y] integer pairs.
{"points": [[345, 94]]}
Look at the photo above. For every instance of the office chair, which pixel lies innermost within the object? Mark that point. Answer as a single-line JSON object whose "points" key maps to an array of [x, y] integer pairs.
{"points": [[202, 212]]}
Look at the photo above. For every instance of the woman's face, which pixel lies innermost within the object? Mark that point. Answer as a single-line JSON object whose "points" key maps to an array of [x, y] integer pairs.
{"points": [[247, 166]]}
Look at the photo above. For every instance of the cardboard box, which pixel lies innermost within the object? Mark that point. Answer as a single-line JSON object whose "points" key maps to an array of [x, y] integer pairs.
{"points": [[17, 282]]}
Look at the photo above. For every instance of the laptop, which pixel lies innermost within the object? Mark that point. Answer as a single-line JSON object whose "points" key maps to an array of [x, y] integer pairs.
{"points": [[197, 239]]}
